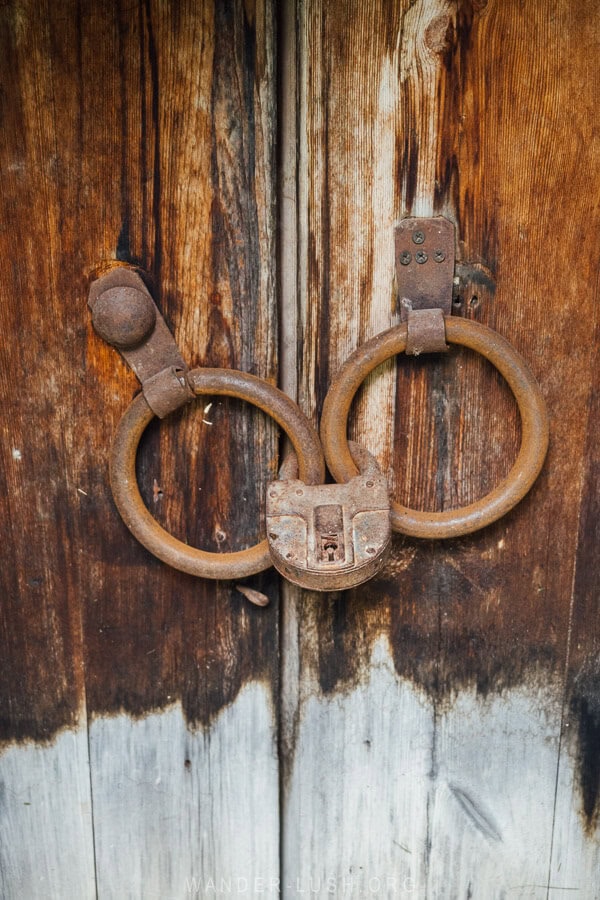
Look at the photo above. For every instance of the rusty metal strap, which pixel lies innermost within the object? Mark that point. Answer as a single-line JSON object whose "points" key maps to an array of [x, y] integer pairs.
{"points": [[426, 332], [167, 391], [424, 273], [424, 264], [126, 316]]}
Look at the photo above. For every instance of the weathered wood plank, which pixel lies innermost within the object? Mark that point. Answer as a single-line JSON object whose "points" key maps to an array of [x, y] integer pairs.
{"points": [[425, 802], [359, 832], [46, 833], [212, 266], [181, 813], [46, 847], [576, 855], [137, 134], [461, 109]]}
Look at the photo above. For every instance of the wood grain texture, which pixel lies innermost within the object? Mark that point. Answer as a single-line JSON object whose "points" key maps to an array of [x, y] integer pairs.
{"points": [[208, 137], [181, 813], [441, 730], [141, 134], [46, 829], [155, 147], [356, 813], [396, 801], [461, 109]]}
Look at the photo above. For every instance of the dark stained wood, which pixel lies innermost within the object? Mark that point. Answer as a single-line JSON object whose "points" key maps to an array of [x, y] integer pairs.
{"points": [[583, 686], [474, 111], [144, 135], [141, 134]]}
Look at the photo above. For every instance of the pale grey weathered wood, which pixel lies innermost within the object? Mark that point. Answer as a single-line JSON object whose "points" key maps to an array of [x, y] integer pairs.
{"points": [[46, 837], [388, 798], [181, 812], [356, 803]]}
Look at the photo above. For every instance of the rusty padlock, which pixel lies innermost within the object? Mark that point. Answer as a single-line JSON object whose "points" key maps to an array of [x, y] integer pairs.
{"points": [[329, 537]]}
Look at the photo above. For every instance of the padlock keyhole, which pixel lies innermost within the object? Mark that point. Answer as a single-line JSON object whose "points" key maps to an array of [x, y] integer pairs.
{"points": [[330, 547], [329, 527]]}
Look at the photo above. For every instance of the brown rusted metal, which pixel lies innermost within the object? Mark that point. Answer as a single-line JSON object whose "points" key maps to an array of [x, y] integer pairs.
{"points": [[214, 382], [330, 537], [534, 427], [424, 250], [426, 332], [126, 316], [123, 316], [167, 391]]}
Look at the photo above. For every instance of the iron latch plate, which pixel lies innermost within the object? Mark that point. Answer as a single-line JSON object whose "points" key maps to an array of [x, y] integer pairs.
{"points": [[425, 257], [125, 315]]}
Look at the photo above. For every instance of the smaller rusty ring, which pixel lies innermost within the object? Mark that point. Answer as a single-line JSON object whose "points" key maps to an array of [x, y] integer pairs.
{"points": [[135, 514], [534, 427]]}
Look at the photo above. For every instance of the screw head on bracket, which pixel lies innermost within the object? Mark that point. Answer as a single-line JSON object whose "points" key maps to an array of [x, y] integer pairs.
{"points": [[439, 255], [123, 316], [418, 237], [405, 258], [421, 257]]}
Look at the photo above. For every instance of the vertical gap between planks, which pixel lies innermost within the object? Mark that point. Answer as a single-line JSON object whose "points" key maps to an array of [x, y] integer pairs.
{"points": [[287, 279], [287, 251], [91, 783], [287, 268]]}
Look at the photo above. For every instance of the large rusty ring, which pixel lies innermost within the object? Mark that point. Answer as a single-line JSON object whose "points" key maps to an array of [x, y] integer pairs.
{"points": [[220, 382], [532, 408]]}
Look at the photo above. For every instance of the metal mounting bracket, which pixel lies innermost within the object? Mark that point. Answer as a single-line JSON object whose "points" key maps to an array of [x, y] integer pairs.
{"points": [[424, 279], [126, 316], [424, 250]]}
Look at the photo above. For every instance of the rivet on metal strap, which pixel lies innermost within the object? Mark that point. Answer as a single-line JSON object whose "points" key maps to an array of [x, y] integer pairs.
{"points": [[126, 316]]}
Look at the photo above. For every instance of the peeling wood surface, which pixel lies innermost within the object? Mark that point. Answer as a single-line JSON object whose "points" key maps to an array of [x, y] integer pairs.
{"points": [[466, 110], [141, 134]]}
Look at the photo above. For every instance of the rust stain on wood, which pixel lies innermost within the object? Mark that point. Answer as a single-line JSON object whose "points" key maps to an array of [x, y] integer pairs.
{"points": [[476, 101], [147, 136]]}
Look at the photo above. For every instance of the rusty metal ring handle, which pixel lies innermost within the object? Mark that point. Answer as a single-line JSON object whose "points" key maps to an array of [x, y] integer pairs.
{"points": [[220, 382], [534, 427]]}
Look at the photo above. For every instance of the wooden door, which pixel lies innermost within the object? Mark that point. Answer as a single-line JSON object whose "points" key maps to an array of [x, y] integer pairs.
{"points": [[435, 733]]}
